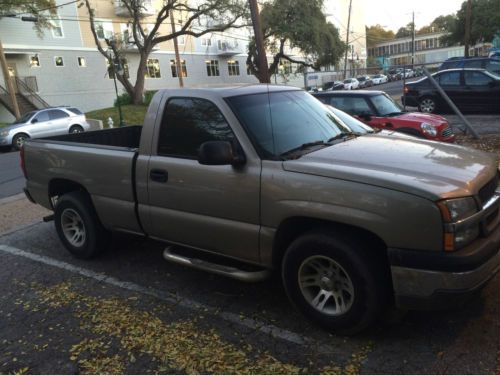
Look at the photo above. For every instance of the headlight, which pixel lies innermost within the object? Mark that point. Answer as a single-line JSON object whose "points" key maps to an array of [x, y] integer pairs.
{"points": [[454, 211], [4, 133], [428, 129]]}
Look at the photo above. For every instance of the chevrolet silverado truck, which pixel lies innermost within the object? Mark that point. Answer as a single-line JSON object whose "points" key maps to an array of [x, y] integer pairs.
{"points": [[243, 181]]}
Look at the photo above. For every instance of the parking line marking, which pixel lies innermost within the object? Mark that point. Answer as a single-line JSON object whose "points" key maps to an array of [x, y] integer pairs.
{"points": [[187, 303]]}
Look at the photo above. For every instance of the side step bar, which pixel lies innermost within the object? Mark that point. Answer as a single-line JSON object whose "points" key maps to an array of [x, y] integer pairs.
{"points": [[219, 269]]}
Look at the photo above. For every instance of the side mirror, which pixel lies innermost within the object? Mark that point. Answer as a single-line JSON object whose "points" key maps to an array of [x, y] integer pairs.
{"points": [[34, 121], [218, 153]]}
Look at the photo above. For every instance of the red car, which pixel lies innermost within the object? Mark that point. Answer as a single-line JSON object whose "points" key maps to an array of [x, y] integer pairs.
{"points": [[377, 109]]}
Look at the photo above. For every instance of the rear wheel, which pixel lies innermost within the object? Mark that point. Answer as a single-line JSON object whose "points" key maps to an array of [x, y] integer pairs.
{"points": [[76, 129], [18, 140], [78, 226], [335, 281], [427, 105]]}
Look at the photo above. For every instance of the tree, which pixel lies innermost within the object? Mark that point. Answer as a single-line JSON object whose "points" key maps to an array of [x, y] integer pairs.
{"points": [[485, 22], [377, 34], [145, 33], [296, 24], [405, 32], [41, 9]]}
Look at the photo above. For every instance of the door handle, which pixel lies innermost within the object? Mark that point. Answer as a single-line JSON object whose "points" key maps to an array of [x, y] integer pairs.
{"points": [[158, 175]]}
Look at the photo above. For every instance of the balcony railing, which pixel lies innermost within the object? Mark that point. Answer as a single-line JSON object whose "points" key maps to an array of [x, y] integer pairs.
{"points": [[228, 48]]}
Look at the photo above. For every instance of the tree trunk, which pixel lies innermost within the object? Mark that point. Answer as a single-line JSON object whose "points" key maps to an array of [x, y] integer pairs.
{"points": [[137, 97]]}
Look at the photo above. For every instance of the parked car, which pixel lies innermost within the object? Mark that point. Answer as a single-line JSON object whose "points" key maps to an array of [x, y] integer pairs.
{"points": [[364, 81], [43, 123], [336, 85], [491, 64], [408, 73], [377, 109], [351, 84], [379, 79], [266, 175], [394, 74], [471, 90]]}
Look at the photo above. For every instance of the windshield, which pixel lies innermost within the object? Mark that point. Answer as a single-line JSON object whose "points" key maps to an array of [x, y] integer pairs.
{"points": [[385, 105], [24, 118], [347, 81], [282, 121], [355, 125]]}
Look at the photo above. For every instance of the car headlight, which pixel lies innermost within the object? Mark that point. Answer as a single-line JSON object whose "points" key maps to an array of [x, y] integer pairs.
{"points": [[455, 211], [4, 133], [428, 129]]}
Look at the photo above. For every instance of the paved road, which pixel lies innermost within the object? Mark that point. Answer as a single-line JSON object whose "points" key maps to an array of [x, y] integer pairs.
{"points": [[394, 89], [11, 176], [129, 311]]}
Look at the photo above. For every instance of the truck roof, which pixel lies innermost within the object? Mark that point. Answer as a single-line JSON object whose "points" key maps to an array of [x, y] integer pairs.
{"points": [[235, 90]]}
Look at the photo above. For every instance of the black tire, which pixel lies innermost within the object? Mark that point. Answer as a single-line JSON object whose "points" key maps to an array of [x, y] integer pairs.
{"points": [[369, 280], [77, 212], [428, 104], [75, 129], [18, 140]]}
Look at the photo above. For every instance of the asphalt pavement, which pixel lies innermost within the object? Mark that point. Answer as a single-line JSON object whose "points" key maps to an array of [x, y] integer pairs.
{"points": [[11, 176], [129, 311]]}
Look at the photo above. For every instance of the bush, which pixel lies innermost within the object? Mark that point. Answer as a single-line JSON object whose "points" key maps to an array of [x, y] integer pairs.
{"points": [[148, 96], [123, 99]]}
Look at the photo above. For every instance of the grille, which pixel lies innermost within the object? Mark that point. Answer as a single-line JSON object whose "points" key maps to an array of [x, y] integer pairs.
{"points": [[487, 191], [446, 132]]}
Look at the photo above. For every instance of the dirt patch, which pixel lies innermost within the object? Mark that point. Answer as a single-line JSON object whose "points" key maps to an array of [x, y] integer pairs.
{"points": [[19, 212], [489, 143]]}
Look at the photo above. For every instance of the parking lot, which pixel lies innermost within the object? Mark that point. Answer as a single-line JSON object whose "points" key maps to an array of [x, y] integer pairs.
{"points": [[129, 311]]}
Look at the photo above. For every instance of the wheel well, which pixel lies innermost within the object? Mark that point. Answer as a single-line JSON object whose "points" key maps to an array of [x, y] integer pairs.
{"points": [[59, 186], [292, 228], [21, 133]]}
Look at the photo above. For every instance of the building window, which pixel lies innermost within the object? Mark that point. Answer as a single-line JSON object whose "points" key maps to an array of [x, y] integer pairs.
{"points": [[233, 67], [82, 62], [103, 29], [173, 66], [153, 68], [181, 40], [59, 61], [56, 27], [206, 42], [124, 66], [34, 61], [212, 68]]}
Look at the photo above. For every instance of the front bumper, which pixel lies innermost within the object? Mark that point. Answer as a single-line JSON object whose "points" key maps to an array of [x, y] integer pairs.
{"points": [[4, 141]]}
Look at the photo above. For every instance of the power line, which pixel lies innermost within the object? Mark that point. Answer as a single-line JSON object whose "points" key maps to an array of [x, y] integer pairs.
{"points": [[49, 8]]}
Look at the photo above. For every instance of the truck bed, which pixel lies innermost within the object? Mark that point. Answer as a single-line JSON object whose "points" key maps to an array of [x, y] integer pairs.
{"points": [[128, 137]]}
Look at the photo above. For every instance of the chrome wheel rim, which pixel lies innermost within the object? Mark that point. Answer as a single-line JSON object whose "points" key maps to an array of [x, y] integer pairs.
{"points": [[427, 105], [76, 130], [20, 141], [73, 227], [326, 285]]}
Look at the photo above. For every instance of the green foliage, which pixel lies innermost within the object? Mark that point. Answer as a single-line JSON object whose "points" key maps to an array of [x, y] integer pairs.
{"points": [[132, 115], [123, 99], [42, 9], [405, 31], [377, 34], [299, 24], [148, 96], [485, 22]]}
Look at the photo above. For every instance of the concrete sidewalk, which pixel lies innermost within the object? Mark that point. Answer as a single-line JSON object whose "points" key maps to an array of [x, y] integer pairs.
{"points": [[16, 211]]}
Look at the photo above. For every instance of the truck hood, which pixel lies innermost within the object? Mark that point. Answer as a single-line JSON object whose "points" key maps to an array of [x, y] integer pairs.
{"points": [[432, 170]]}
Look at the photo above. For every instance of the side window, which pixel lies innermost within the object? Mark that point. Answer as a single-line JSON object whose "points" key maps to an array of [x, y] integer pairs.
{"points": [[352, 105], [56, 114], [42, 116], [187, 123], [476, 79], [449, 79], [493, 66]]}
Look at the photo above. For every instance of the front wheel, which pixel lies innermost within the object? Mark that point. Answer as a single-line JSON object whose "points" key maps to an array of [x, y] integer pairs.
{"points": [[18, 140], [335, 281], [78, 226]]}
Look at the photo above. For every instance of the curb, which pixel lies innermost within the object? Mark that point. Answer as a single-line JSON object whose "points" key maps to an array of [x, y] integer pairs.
{"points": [[12, 198]]}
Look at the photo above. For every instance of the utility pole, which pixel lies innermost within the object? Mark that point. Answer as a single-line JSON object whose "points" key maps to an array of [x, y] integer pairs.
{"points": [[347, 38], [412, 40], [468, 12], [176, 49], [259, 43], [8, 82]]}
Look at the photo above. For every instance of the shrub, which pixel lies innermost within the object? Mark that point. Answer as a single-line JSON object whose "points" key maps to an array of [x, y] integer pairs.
{"points": [[123, 99], [148, 96]]}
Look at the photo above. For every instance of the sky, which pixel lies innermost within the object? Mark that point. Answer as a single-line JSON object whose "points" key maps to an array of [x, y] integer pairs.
{"points": [[394, 14]]}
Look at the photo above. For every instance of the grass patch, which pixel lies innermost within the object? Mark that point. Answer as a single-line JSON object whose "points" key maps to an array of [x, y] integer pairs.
{"points": [[132, 115]]}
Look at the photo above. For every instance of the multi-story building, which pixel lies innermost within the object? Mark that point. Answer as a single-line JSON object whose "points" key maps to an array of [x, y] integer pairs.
{"points": [[429, 49]]}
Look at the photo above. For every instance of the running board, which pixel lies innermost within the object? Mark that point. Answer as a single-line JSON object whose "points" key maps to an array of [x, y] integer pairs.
{"points": [[219, 269]]}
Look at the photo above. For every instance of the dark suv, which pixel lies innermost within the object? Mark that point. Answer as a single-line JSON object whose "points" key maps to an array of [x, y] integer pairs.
{"points": [[491, 64]]}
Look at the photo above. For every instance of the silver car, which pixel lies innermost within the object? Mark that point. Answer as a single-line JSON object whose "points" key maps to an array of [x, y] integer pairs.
{"points": [[43, 123]]}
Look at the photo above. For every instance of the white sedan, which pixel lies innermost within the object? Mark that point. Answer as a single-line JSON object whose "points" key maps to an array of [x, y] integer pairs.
{"points": [[351, 84], [379, 78]]}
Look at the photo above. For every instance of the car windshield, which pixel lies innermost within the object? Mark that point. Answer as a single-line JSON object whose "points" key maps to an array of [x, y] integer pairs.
{"points": [[361, 78], [281, 122], [24, 118], [347, 81], [385, 105]]}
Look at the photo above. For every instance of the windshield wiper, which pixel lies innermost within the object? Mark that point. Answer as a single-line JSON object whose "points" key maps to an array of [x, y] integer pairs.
{"points": [[303, 146], [343, 136], [394, 114]]}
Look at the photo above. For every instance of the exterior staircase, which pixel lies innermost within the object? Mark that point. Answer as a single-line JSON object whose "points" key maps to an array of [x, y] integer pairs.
{"points": [[27, 99]]}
